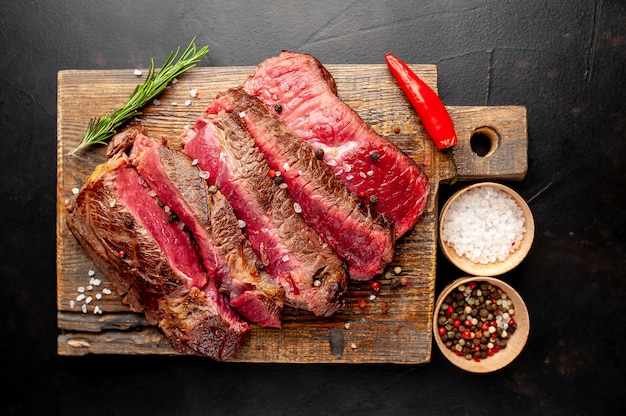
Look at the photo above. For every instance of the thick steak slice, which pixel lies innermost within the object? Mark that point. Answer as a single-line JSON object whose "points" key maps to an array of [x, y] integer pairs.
{"points": [[152, 262], [302, 92], [311, 274], [226, 253], [364, 240]]}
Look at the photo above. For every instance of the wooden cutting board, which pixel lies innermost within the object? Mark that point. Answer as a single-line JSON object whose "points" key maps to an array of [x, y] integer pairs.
{"points": [[394, 326]]}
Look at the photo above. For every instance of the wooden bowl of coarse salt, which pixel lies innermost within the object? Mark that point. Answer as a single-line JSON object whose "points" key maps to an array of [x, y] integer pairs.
{"points": [[480, 324], [486, 229]]}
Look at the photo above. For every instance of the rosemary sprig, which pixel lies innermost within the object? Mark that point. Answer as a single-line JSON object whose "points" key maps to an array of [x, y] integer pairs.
{"points": [[101, 129]]}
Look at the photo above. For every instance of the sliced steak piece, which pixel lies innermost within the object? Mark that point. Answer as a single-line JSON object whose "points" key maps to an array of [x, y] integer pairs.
{"points": [[152, 262], [363, 239], [226, 253], [311, 274], [302, 93]]}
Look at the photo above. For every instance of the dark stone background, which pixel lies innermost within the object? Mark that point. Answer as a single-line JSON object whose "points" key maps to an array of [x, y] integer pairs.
{"points": [[563, 60]]}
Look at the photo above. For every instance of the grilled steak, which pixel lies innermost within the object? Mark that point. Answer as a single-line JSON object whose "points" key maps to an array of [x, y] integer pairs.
{"points": [[152, 262], [302, 93], [226, 253], [311, 274], [364, 241]]}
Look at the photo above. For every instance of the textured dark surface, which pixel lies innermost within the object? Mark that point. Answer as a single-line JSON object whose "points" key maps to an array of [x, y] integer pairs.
{"points": [[564, 61]]}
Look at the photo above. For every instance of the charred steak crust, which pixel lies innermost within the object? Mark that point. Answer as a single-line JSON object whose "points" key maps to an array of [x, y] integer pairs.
{"points": [[359, 236], [303, 94], [115, 219], [311, 274], [226, 253]]}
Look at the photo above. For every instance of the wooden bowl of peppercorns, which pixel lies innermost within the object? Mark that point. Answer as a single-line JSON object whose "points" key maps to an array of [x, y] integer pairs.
{"points": [[481, 324]]}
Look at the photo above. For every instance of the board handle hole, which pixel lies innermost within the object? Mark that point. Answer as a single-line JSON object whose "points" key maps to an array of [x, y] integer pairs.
{"points": [[484, 141]]}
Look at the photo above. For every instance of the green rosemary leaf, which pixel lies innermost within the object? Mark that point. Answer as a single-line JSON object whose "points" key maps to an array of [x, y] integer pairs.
{"points": [[101, 129]]}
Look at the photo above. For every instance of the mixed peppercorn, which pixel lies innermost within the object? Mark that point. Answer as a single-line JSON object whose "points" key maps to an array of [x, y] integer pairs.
{"points": [[475, 320]]}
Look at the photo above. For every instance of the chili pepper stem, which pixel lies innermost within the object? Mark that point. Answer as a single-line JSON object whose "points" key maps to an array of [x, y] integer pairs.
{"points": [[451, 154]]}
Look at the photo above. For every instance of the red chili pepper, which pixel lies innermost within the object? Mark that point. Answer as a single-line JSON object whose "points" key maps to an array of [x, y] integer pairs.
{"points": [[426, 102], [375, 286]]}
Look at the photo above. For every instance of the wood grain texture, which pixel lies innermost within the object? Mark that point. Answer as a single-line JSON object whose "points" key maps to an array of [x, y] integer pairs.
{"points": [[394, 327]]}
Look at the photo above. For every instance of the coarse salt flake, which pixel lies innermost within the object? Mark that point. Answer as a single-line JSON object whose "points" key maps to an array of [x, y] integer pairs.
{"points": [[353, 346], [175, 81], [174, 103], [286, 166], [241, 223], [349, 177], [97, 310], [285, 258], [204, 174], [187, 102], [156, 102], [75, 191], [80, 297], [72, 304], [88, 299], [84, 307], [138, 72], [80, 289], [346, 325], [242, 114], [106, 291], [372, 297], [297, 208], [193, 92], [194, 162], [91, 272], [98, 296]]}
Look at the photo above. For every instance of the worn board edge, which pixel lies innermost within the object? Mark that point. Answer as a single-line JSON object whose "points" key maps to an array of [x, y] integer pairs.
{"points": [[72, 342]]}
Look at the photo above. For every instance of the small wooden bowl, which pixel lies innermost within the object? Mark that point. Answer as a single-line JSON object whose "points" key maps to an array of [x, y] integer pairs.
{"points": [[498, 267], [515, 342]]}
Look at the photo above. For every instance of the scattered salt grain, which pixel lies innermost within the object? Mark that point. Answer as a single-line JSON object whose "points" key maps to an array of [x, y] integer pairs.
{"points": [[187, 102], [156, 102], [91, 273], [484, 224], [349, 177], [353, 346], [332, 162], [286, 166], [98, 296], [181, 225], [283, 185], [372, 297], [152, 193], [106, 291], [297, 208], [194, 162], [204, 174], [347, 325], [285, 258], [370, 172], [72, 304], [138, 72], [193, 92], [242, 114], [174, 103], [84, 307], [75, 191], [97, 310], [88, 299], [175, 81], [80, 298], [241, 223], [80, 289]]}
